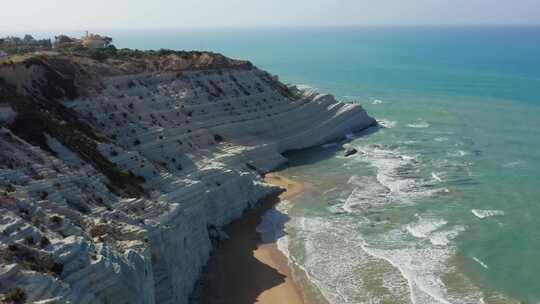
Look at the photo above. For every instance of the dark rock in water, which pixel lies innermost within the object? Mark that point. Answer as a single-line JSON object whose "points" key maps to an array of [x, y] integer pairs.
{"points": [[350, 151]]}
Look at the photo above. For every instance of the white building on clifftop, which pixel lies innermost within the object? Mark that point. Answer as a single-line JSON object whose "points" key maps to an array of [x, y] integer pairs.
{"points": [[95, 41]]}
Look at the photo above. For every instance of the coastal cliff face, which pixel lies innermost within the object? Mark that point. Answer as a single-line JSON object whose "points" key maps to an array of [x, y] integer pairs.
{"points": [[116, 175]]}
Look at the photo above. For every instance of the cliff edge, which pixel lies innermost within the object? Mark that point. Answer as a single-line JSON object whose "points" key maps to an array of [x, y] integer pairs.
{"points": [[116, 173]]}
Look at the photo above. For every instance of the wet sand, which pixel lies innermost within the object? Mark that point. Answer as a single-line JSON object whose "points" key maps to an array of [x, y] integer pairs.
{"points": [[245, 271]]}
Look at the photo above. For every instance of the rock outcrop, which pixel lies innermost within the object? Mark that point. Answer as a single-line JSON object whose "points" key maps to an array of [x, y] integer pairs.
{"points": [[114, 174], [349, 150]]}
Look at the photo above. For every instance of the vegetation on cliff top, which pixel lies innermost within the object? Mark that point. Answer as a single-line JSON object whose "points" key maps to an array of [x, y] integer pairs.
{"points": [[40, 113]]}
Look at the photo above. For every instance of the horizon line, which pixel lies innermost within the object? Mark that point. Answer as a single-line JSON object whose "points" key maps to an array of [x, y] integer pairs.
{"points": [[277, 26]]}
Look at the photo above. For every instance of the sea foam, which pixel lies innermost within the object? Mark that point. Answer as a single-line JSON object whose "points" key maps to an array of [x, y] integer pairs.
{"points": [[425, 226], [419, 125], [482, 214], [388, 124], [477, 260], [396, 180]]}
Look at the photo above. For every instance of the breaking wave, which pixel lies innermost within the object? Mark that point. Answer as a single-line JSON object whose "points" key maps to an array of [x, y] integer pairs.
{"points": [[397, 180], [477, 260], [360, 253], [419, 125], [408, 260], [387, 123], [482, 214], [459, 153], [425, 226]]}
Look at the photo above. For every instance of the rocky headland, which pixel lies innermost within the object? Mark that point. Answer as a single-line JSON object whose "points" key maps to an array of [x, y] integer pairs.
{"points": [[117, 172]]}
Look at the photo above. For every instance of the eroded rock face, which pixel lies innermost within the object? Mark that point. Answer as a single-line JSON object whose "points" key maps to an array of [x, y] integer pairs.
{"points": [[114, 174]]}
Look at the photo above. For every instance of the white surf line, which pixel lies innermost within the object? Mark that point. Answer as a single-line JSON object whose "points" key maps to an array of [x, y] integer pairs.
{"points": [[388, 124], [477, 260], [436, 177], [310, 277], [329, 190], [283, 247], [348, 203], [482, 214], [410, 282]]}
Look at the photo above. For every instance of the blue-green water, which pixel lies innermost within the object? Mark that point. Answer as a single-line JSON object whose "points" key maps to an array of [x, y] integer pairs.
{"points": [[443, 205]]}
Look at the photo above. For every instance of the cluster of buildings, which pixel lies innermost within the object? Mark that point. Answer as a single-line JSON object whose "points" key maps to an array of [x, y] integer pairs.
{"points": [[89, 40], [16, 45], [12, 44]]}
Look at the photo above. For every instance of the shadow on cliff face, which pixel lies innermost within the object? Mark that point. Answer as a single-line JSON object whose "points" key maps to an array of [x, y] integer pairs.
{"points": [[317, 154], [234, 275]]}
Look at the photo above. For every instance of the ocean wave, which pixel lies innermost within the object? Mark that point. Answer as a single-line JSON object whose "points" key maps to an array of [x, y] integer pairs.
{"points": [[477, 260], [369, 192], [425, 226], [513, 164], [388, 124], [482, 214], [454, 170], [335, 263], [432, 229], [437, 176], [459, 153], [305, 87], [348, 267], [443, 237], [424, 265], [376, 102], [420, 267], [419, 125], [397, 180]]}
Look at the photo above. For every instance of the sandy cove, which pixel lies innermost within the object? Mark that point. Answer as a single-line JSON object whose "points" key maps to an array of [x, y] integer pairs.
{"points": [[245, 271]]}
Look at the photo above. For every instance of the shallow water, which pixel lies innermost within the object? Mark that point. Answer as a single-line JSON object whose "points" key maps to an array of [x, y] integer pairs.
{"points": [[445, 213], [442, 205]]}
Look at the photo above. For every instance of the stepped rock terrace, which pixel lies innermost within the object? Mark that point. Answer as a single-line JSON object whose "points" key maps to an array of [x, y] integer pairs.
{"points": [[117, 174]]}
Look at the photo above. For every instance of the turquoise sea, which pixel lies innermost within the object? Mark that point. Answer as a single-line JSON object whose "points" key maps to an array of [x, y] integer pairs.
{"points": [[442, 204]]}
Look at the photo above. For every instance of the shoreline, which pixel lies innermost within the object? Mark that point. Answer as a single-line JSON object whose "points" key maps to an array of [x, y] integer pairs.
{"points": [[243, 269]]}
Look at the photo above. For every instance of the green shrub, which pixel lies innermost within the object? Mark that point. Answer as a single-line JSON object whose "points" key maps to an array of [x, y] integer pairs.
{"points": [[44, 242], [56, 220], [165, 52], [15, 296], [29, 240], [103, 54]]}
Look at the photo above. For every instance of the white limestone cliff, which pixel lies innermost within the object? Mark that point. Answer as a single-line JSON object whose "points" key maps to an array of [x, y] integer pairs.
{"points": [[197, 140]]}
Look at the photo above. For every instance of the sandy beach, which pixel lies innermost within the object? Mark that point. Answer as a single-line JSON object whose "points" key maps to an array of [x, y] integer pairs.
{"points": [[245, 271]]}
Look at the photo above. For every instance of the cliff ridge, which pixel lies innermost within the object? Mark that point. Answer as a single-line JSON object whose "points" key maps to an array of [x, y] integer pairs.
{"points": [[116, 171]]}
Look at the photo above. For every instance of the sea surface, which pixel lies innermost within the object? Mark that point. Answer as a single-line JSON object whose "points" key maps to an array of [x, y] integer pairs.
{"points": [[442, 202]]}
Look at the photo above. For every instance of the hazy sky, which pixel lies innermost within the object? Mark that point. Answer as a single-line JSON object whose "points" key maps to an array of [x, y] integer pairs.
{"points": [[35, 15]]}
